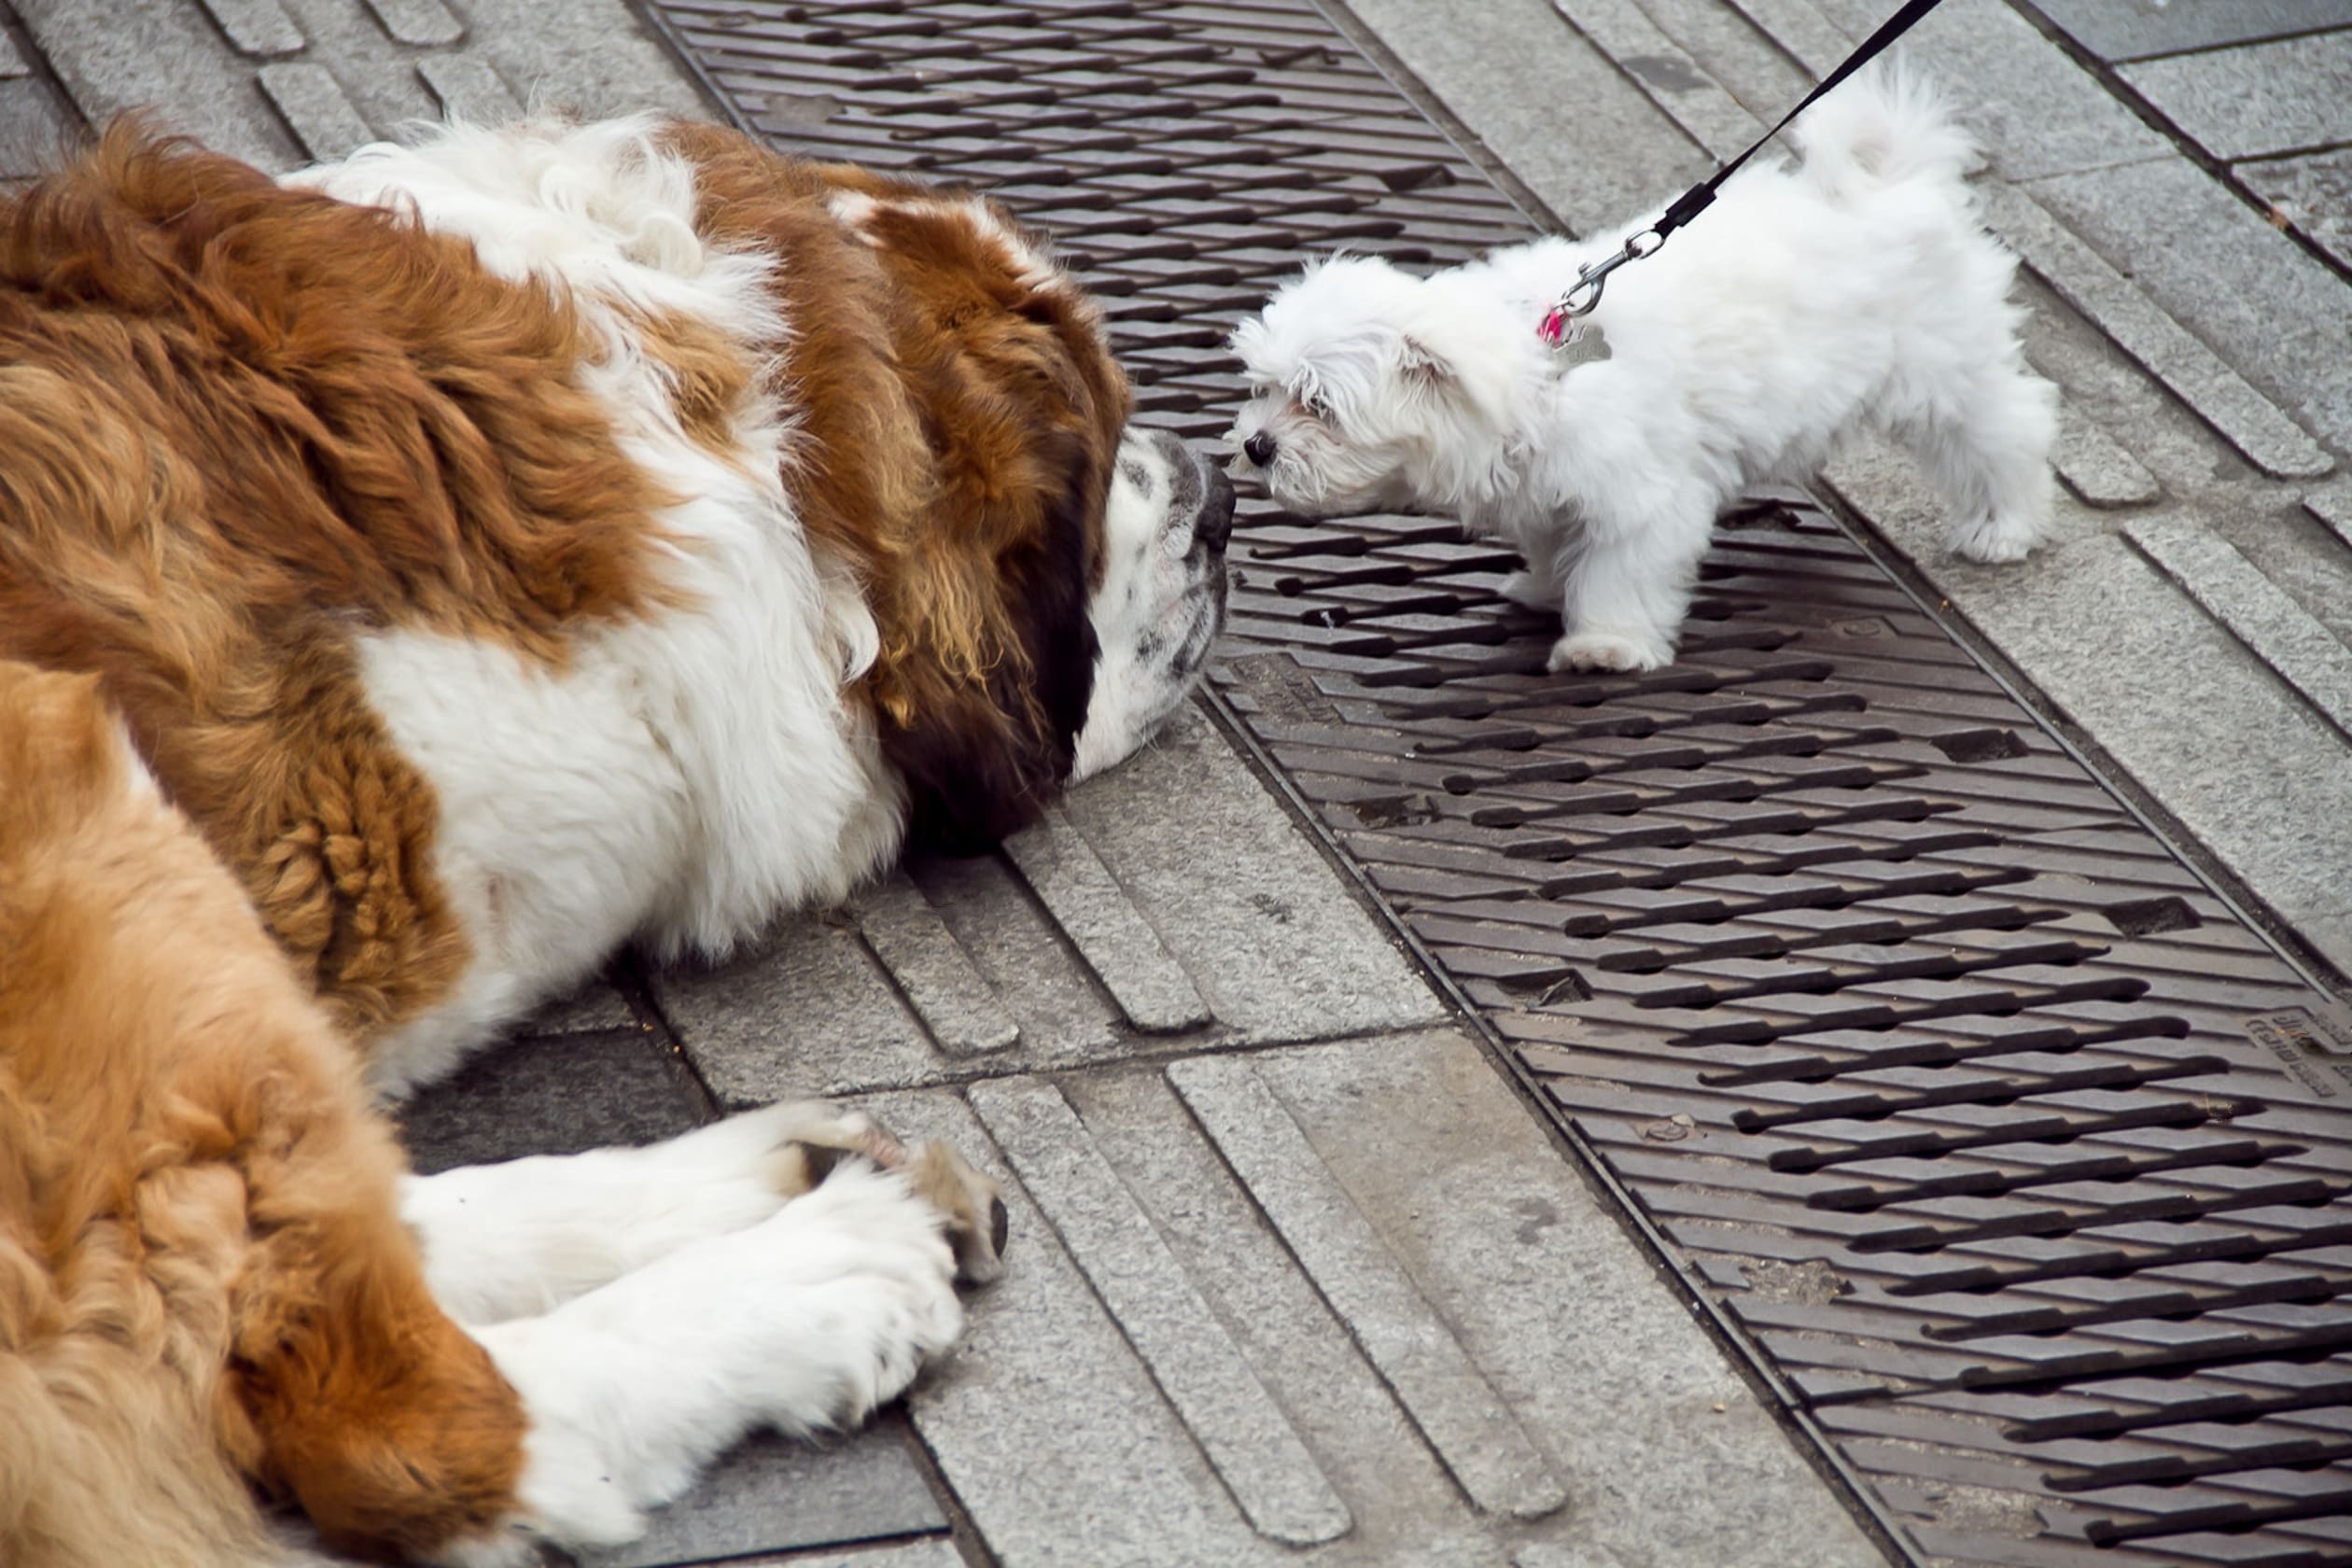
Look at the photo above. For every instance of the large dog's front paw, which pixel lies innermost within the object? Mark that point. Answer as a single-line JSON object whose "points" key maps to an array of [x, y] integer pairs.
{"points": [[1608, 650]]}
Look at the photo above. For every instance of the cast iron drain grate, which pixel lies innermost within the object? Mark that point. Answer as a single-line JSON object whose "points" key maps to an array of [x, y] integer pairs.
{"points": [[2022, 1161]]}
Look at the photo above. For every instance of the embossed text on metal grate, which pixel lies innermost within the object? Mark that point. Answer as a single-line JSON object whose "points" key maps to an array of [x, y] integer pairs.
{"points": [[2025, 1162]]}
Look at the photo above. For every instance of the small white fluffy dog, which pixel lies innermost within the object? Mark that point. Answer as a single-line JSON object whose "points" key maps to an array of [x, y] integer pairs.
{"points": [[1857, 288]]}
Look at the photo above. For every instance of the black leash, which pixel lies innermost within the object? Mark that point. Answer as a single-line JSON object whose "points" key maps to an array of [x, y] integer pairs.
{"points": [[1586, 293]]}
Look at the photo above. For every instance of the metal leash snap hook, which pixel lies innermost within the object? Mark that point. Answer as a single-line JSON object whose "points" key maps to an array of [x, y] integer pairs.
{"points": [[1584, 295]]}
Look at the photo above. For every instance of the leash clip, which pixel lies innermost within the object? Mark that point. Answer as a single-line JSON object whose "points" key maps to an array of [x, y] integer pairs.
{"points": [[1584, 295]]}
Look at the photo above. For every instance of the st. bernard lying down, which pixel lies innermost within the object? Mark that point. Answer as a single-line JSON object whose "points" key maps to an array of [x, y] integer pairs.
{"points": [[417, 579]]}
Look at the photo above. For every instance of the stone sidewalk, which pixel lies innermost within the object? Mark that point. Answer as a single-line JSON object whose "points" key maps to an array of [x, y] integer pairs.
{"points": [[1294, 1274]]}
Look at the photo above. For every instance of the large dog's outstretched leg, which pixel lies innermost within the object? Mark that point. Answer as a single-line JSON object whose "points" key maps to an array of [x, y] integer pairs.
{"points": [[519, 1239], [804, 1322]]}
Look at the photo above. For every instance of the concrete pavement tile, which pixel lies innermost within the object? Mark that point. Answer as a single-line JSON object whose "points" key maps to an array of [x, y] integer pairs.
{"points": [[596, 1006], [1671, 79], [2315, 193], [2095, 467], [554, 1096], [1197, 1367], [1042, 1421], [33, 134], [2276, 315], [934, 1552], [2297, 648], [110, 58], [316, 109], [1564, 1315], [932, 967], [2092, 283], [2131, 29], [468, 87], [424, 23], [2252, 772], [1176, 866], [1799, 27], [12, 61], [259, 29], [1119, 943], [2258, 100], [1450, 1399], [2039, 112], [1546, 101], [772, 1495]]}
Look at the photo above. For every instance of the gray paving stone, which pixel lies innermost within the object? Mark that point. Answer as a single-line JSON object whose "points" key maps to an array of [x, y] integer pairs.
{"points": [[2258, 100], [418, 22], [1197, 1367], [2264, 305], [930, 966], [467, 87], [2133, 29], [12, 61], [1799, 27], [1118, 943], [2138, 325], [2331, 504], [1049, 1429], [2312, 194], [553, 1095], [257, 28], [2039, 112], [1546, 101], [1666, 74], [2095, 467], [34, 132], [1450, 1399], [1178, 857], [111, 57], [771, 1495], [315, 108], [933, 1552], [2301, 651]]}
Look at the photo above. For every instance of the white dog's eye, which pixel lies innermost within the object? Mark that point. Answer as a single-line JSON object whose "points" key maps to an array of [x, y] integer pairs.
{"points": [[1313, 403]]}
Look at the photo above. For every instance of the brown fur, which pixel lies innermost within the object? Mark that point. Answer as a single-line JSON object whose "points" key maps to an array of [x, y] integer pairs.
{"points": [[960, 424], [203, 1281], [239, 420]]}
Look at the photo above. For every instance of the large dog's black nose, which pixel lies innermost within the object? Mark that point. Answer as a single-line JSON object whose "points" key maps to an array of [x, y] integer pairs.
{"points": [[1260, 448], [1214, 526]]}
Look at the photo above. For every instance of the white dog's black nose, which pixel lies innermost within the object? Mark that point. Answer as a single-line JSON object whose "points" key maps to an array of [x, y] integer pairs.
{"points": [[1259, 448]]}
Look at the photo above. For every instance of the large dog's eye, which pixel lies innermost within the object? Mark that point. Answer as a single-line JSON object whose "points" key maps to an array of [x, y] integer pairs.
{"points": [[1313, 403]]}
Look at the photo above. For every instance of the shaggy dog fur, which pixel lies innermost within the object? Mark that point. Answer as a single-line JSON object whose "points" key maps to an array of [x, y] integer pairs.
{"points": [[1857, 288], [418, 576]]}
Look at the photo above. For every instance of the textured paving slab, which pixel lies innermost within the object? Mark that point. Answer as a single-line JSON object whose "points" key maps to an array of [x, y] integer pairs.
{"points": [[2257, 101], [2314, 193], [1167, 905], [291, 82], [1403, 1376], [2132, 29]]}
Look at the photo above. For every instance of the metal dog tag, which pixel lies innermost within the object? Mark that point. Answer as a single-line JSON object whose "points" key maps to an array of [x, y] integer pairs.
{"points": [[1583, 344]]}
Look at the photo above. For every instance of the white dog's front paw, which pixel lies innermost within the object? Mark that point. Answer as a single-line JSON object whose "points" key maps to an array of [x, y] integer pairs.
{"points": [[1607, 650], [1995, 540]]}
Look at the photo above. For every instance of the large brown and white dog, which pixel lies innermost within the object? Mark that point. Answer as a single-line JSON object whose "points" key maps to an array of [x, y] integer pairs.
{"points": [[418, 578]]}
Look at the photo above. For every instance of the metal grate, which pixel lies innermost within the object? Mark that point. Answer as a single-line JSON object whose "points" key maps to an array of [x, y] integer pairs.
{"points": [[2021, 1158]]}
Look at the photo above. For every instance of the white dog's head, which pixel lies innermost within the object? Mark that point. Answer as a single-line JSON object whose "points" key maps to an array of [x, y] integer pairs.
{"points": [[1371, 391]]}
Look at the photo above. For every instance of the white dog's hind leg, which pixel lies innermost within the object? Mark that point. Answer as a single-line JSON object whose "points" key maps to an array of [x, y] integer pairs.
{"points": [[804, 1322], [1629, 587], [512, 1240], [1987, 447]]}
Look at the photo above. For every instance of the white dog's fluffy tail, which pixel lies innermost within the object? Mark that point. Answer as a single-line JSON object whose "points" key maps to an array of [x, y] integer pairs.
{"points": [[1884, 125]]}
